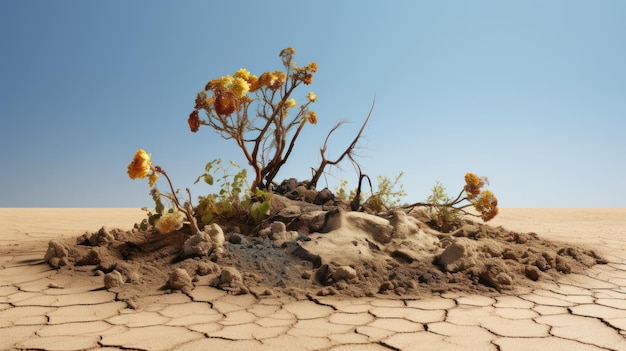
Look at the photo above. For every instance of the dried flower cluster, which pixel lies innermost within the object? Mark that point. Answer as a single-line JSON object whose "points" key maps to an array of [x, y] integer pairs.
{"points": [[483, 200], [255, 112]]}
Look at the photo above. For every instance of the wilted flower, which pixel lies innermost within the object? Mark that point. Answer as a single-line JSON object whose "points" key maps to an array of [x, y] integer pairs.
{"points": [[288, 51], [311, 116], [278, 81], [266, 79], [473, 184], [487, 205], [169, 222], [140, 166], [201, 100], [253, 81], [194, 121], [225, 102], [290, 103], [311, 96]]}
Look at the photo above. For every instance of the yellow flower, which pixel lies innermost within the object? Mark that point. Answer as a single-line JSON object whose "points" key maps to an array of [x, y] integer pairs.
{"points": [[240, 87], [219, 83], [140, 166], [243, 74], [311, 117], [290, 103], [312, 67], [169, 222], [311, 96], [487, 205]]}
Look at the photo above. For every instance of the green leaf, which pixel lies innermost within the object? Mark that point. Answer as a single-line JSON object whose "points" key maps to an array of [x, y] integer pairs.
{"points": [[208, 179]]}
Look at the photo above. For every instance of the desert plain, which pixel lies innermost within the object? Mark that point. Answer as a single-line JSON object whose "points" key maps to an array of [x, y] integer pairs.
{"points": [[43, 310]]}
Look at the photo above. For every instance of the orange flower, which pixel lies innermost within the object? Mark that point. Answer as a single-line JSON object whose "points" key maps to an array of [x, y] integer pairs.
{"points": [[140, 166], [225, 102], [487, 205]]}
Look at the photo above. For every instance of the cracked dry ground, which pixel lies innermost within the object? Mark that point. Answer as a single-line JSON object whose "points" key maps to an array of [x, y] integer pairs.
{"points": [[42, 311]]}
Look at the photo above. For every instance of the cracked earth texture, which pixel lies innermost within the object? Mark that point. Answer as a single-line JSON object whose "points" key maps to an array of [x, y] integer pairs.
{"points": [[41, 311]]}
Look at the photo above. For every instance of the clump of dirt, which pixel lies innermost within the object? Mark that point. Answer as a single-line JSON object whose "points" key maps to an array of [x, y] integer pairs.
{"points": [[305, 249]]}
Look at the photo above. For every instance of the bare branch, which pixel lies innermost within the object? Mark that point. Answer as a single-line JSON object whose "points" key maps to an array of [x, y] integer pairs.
{"points": [[348, 152]]}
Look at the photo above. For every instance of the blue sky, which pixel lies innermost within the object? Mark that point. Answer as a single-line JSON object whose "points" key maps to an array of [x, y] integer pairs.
{"points": [[531, 94]]}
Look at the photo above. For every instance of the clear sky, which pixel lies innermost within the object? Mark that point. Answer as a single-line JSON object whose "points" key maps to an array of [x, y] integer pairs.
{"points": [[531, 94]]}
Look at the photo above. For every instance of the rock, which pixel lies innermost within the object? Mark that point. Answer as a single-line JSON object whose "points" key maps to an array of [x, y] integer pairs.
{"points": [[459, 255], [57, 254], [128, 271], [230, 279], [491, 248], [304, 194], [532, 273], [113, 279], [101, 237], [281, 238], [310, 222], [403, 225], [496, 275], [466, 231], [216, 234], [379, 228], [277, 227], [92, 257], [562, 265], [324, 275], [205, 242], [405, 255], [304, 254], [235, 238], [289, 212], [386, 285], [287, 186], [346, 273], [323, 197], [207, 267], [180, 280]]}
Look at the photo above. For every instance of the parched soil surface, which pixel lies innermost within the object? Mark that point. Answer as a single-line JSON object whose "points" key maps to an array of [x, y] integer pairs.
{"points": [[475, 258]]}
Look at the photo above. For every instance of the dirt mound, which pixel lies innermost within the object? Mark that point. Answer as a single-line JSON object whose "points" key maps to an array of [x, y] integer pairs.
{"points": [[308, 249]]}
